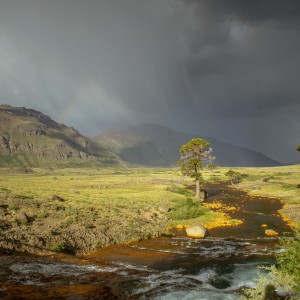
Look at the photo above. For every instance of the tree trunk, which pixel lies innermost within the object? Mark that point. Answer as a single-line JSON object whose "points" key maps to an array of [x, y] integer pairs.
{"points": [[197, 189]]}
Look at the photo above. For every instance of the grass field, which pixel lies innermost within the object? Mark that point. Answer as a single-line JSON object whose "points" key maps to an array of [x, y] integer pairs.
{"points": [[281, 182], [89, 208], [94, 207]]}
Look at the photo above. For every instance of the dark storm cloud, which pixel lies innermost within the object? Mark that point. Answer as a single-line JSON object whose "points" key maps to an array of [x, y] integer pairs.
{"points": [[226, 68], [243, 67], [250, 11], [258, 63]]}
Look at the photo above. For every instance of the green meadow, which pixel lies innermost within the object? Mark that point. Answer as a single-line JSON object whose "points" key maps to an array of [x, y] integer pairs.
{"points": [[90, 208]]}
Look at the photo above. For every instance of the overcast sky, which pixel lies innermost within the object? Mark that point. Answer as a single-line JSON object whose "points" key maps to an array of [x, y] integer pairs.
{"points": [[225, 68]]}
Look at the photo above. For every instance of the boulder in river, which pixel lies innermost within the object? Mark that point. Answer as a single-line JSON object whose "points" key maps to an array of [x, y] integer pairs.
{"points": [[196, 231], [271, 232]]}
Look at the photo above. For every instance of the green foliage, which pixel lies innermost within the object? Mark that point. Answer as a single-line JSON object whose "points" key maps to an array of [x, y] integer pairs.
{"points": [[289, 260], [233, 175], [298, 148], [194, 156], [267, 284], [186, 209], [212, 167], [57, 247], [286, 276]]}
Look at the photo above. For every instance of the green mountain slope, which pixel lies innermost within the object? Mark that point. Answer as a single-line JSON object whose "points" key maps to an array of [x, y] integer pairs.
{"points": [[30, 138], [156, 145]]}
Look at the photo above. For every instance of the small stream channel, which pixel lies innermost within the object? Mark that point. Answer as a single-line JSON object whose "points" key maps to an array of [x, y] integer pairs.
{"points": [[216, 267]]}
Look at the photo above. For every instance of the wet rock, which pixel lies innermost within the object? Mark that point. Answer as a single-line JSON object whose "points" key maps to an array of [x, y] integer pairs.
{"points": [[22, 218], [271, 232], [196, 231]]}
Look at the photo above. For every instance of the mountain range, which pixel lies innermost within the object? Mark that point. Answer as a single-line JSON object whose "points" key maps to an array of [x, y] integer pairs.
{"points": [[156, 145], [30, 138]]}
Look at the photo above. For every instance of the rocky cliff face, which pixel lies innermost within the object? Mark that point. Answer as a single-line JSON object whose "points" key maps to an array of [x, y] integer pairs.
{"points": [[28, 137]]}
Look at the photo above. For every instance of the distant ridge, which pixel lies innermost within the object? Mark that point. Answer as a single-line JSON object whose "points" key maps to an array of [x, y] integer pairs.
{"points": [[30, 138], [156, 145]]}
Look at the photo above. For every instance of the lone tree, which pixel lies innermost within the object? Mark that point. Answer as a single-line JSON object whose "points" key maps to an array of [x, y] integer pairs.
{"points": [[194, 157], [233, 175]]}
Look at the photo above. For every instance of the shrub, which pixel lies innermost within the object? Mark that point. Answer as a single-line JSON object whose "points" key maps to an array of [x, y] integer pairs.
{"points": [[285, 276], [186, 209], [57, 247], [234, 175], [289, 260]]}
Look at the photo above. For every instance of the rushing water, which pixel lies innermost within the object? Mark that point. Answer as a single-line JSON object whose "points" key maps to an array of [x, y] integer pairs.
{"points": [[163, 268], [216, 267]]}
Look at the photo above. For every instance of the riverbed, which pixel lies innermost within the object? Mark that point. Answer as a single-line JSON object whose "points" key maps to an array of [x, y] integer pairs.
{"points": [[216, 267]]}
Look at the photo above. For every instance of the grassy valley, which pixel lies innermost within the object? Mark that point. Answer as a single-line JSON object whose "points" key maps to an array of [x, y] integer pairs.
{"points": [[83, 209], [79, 210]]}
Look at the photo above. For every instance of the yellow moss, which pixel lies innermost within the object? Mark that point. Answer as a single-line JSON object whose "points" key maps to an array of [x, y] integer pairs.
{"points": [[289, 221], [222, 220], [271, 232], [179, 226], [220, 206]]}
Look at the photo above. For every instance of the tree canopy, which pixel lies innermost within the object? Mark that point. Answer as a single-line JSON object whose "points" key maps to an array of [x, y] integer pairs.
{"points": [[194, 156], [233, 175]]}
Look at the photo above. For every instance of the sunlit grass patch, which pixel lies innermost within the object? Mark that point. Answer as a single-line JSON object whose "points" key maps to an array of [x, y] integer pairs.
{"points": [[113, 205], [280, 182]]}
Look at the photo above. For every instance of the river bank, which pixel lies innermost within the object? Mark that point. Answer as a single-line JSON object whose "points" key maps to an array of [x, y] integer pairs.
{"points": [[216, 267]]}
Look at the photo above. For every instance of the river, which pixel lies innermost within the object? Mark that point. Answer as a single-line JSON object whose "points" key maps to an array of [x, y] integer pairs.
{"points": [[216, 267]]}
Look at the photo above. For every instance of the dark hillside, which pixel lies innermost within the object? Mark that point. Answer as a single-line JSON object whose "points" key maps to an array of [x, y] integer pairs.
{"points": [[30, 138], [156, 145]]}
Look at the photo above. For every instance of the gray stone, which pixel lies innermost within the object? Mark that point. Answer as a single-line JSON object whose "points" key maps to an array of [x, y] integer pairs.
{"points": [[164, 208], [22, 217]]}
